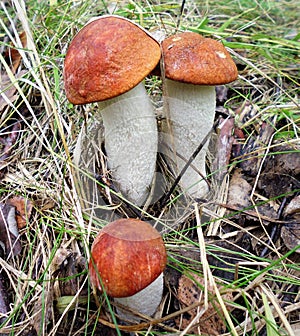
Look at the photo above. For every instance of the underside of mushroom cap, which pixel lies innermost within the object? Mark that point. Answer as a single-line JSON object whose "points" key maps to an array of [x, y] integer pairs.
{"points": [[108, 57], [191, 58]]}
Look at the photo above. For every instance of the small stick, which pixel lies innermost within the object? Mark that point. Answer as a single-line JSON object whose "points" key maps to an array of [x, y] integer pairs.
{"points": [[186, 166], [180, 14]]}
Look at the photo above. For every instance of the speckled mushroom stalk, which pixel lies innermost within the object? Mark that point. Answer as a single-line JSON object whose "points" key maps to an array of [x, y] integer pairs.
{"points": [[107, 62], [129, 257], [131, 142], [194, 65]]}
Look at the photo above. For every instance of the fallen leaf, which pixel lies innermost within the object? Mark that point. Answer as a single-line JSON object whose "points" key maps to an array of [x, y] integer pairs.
{"points": [[239, 191], [212, 321], [12, 54], [69, 266], [23, 209], [296, 328], [293, 208]]}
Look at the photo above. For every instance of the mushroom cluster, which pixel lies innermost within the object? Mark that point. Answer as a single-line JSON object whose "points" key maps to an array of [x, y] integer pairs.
{"points": [[106, 63]]}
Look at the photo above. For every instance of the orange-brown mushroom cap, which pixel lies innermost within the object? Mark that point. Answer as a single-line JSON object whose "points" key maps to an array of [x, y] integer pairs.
{"points": [[128, 255], [108, 57], [191, 58]]}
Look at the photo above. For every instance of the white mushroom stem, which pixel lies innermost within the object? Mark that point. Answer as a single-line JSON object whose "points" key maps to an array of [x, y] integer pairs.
{"points": [[131, 142], [191, 112], [145, 302]]}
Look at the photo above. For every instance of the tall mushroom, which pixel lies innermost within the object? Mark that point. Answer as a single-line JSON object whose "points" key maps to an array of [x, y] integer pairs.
{"points": [[193, 65], [128, 257], [107, 62]]}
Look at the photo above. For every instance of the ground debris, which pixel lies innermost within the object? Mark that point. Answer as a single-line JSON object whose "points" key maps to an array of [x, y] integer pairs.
{"points": [[42, 310], [4, 302], [239, 190], [290, 232], [263, 192], [253, 152], [7, 143], [8, 230], [290, 235], [281, 171], [66, 266], [211, 320], [225, 140]]}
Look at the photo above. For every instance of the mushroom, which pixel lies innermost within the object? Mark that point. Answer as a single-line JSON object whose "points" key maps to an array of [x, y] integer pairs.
{"points": [[128, 257], [193, 65], [107, 62]]}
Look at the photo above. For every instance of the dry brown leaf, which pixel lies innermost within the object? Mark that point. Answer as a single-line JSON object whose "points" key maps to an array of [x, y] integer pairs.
{"points": [[212, 322], [13, 56], [13, 59], [67, 265], [239, 191], [293, 208], [23, 207]]}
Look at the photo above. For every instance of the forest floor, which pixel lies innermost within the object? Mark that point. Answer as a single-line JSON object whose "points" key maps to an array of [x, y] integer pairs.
{"points": [[233, 257]]}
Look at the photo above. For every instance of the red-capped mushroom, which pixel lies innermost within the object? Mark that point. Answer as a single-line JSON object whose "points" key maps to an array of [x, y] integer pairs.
{"points": [[194, 65], [128, 257], [107, 62]]}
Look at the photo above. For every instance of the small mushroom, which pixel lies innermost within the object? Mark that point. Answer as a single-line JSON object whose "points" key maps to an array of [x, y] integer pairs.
{"points": [[128, 257], [107, 62], [193, 66]]}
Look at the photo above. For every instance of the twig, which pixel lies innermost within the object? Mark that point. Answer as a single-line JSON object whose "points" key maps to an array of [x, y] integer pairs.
{"points": [[180, 14], [252, 213], [186, 166], [274, 230]]}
